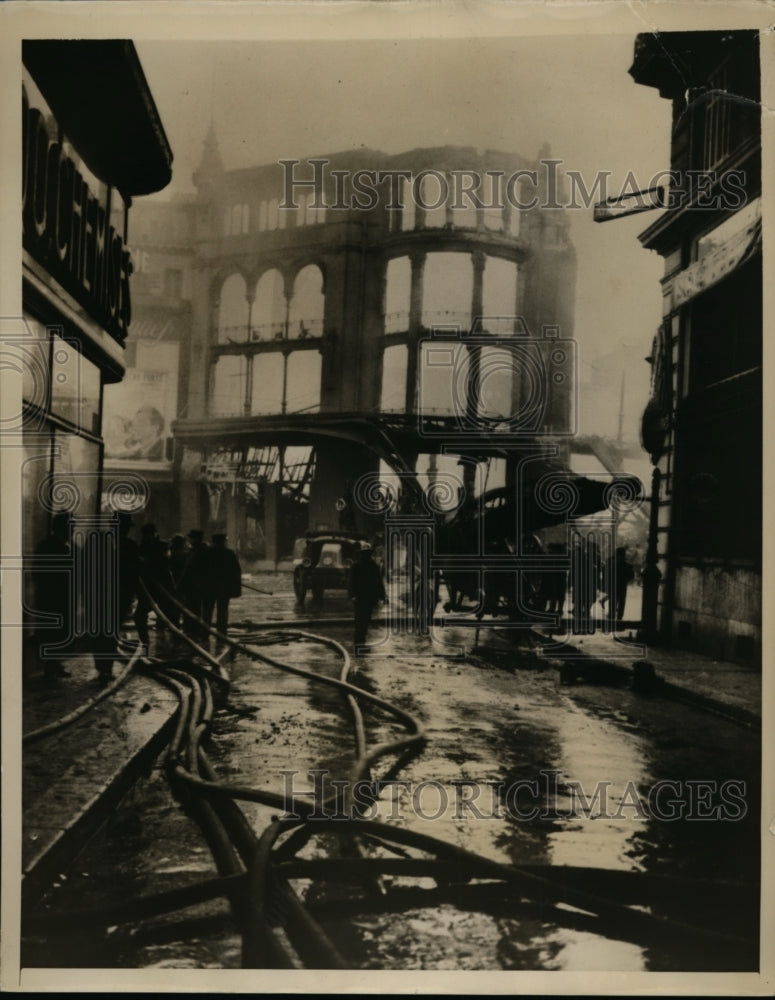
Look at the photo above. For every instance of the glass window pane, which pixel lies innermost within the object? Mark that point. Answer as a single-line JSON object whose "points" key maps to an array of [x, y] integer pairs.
{"points": [[34, 361], [76, 466], [75, 387], [35, 513]]}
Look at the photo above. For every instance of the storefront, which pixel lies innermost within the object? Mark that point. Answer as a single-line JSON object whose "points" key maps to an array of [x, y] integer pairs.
{"points": [[92, 140]]}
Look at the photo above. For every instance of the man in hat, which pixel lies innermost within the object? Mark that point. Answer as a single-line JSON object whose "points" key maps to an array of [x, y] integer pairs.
{"points": [[193, 585], [224, 582], [366, 590]]}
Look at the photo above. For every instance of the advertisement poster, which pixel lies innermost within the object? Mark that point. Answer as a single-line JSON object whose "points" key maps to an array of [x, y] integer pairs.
{"points": [[139, 410]]}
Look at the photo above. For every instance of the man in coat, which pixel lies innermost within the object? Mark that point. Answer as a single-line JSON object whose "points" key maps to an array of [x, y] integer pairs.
{"points": [[193, 585], [366, 590], [224, 581]]}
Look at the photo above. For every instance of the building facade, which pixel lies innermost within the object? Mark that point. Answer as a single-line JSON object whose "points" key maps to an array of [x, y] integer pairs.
{"points": [[140, 410], [324, 294], [703, 424], [92, 142]]}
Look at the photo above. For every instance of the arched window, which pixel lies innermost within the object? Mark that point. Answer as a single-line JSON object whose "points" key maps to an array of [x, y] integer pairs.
{"points": [[233, 311], [269, 307], [262, 216], [305, 318], [397, 293], [434, 192], [492, 196]]}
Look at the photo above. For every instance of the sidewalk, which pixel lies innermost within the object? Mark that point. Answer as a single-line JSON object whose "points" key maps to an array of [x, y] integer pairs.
{"points": [[72, 778], [729, 689]]}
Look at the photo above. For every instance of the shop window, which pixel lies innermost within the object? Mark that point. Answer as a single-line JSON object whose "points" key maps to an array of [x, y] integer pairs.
{"points": [[75, 387], [718, 477], [35, 515], [726, 329], [76, 473]]}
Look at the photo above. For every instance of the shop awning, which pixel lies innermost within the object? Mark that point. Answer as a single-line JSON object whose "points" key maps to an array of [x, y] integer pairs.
{"points": [[98, 93], [717, 264]]}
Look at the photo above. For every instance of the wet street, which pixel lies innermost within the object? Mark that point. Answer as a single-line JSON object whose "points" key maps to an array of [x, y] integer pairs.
{"points": [[637, 797]]}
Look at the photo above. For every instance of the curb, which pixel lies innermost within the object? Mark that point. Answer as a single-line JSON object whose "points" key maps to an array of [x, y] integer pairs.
{"points": [[658, 686], [56, 854]]}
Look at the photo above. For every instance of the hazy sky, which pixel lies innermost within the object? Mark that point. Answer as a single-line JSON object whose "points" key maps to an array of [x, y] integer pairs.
{"points": [[298, 99]]}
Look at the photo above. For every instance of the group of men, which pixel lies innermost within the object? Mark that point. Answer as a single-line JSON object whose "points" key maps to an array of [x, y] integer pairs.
{"points": [[91, 590], [590, 577]]}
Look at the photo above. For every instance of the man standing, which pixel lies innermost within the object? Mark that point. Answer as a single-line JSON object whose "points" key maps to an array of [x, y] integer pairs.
{"points": [[224, 581], [156, 576], [366, 590], [193, 583]]}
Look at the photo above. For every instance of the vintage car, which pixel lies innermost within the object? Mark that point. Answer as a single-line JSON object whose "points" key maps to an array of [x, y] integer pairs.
{"points": [[322, 561]]}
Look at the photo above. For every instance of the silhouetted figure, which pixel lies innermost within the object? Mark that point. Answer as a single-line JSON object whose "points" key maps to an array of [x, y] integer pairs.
{"points": [[555, 584], [53, 593], [224, 581], [620, 573], [585, 574], [179, 550], [193, 582], [366, 589], [112, 588], [156, 576]]}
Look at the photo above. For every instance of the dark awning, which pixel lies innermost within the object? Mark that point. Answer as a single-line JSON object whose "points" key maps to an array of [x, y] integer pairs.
{"points": [[98, 93]]}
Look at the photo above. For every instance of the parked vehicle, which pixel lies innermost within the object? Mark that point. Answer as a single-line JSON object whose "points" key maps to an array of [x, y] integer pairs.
{"points": [[322, 561]]}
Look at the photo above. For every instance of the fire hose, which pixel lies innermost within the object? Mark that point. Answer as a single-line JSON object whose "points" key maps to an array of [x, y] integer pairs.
{"points": [[278, 929]]}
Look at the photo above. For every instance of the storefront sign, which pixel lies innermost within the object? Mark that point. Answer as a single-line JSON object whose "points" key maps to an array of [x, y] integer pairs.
{"points": [[66, 229]]}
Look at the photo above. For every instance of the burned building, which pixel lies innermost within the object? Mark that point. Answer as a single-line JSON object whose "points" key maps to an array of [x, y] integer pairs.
{"points": [[703, 424], [321, 291]]}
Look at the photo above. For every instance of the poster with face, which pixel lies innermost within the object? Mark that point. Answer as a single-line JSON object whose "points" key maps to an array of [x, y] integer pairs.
{"points": [[138, 411]]}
